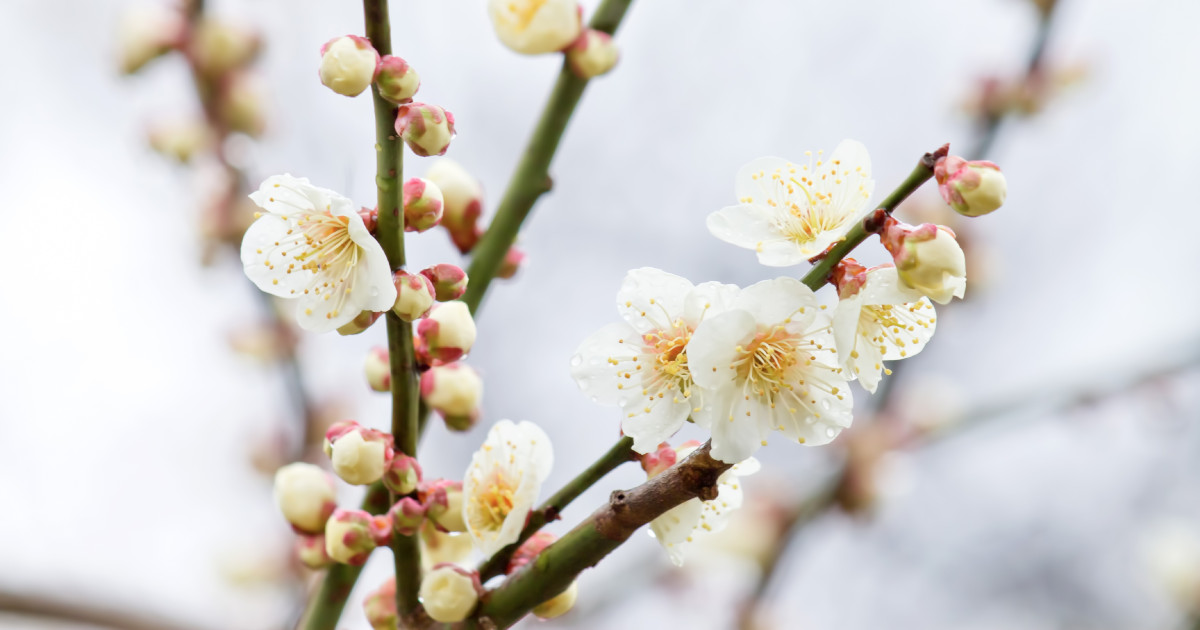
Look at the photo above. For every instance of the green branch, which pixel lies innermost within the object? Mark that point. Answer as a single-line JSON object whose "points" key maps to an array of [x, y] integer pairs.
{"points": [[532, 178], [620, 453]]}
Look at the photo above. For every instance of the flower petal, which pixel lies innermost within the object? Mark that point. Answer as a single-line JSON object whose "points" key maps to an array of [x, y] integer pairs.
{"points": [[264, 259], [655, 422], [748, 184], [599, 364], [713, 347], [284, 195], [651, 299], [707, 300], [773, 301]]}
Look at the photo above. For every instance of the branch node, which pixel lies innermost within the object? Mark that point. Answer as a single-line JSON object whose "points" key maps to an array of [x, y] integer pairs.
{"points": [[930, 159]]}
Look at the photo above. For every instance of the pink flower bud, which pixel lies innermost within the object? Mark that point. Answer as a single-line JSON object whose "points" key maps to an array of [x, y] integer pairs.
{"points": [[849, 277], [146, 34], [382, 529], [414, 295], [370, 217], [443, 505], [406, 516], [450, 593], [350, 536], [427, 129], [397, 82], [422, 205], [972, 188], [454, 391], [380, 606], [657, 461], [592, 54], [348, 64], [558, 605], [449, 281], [463, 197], [928, 259], [180, 139], [379, 369], [306, 495], [529, 550], [402, 475], [511, 263], [447, 333], [359, 455], [359, 324], [219, 47], [241, 105], [310, 551]]}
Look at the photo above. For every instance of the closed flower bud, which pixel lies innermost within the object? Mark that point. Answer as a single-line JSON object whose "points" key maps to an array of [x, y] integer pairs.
{"points": [[380, 606], [438, 546], [427, 129], [218, 47], [359, 455], [654, 463], [402, 474], [241, 105], [592, 54], [350, 536], [454, 391], [533, 27], [558, 605], [443, 505], [928, 259], [449, 593], [310, 551], [406, 516], [422, 205], [306, 495], [145, 34], [414, 295], [379, 369], [463, 199], [397, 82], [348, 64], [447, 333], [181, 139], [359, 324], [511, 263], [972, 188], [449, 281], [530, 550]]}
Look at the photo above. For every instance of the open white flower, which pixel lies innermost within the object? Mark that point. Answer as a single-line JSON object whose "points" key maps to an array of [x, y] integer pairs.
{"points": [[682, 524], [883, 321], [502, 483], [641, 364], [767, 364], [533, 27], [789, 212], [311, 245]]}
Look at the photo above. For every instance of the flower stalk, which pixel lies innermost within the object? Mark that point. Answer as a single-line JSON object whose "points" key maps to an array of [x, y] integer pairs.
{"points": [[532, 178]]}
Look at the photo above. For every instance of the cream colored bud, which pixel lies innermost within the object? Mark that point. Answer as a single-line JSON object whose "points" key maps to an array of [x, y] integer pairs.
{"points": [[936, 267], [349, 536], [448, 332], [359, 461], [219, 47], [558, 605], [533, 27], [181, 139], [462, 201], [306, 495], [348, 64], [145, 34], [378, 369], [415, 295], [449, 593], [452, 390], [592, 55]]}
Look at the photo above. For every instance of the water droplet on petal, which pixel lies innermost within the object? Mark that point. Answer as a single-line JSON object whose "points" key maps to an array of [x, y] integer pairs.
{"points": [[830, 432], [825, 404], [576, 361]]}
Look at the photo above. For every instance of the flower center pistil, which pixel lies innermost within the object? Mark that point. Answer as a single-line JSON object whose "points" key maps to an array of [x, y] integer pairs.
{"points": [[495, 501], [763, 363]]}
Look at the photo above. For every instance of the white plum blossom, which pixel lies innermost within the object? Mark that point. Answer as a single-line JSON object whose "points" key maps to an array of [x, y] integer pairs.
{"points": [[502, 483], [682, 524], [641, 364], [883, 321], [534, 27], [768, 364], [311, 245], [788, 212]]}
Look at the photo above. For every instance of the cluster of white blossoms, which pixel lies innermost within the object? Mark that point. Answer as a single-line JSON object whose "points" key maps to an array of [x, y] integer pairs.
{"points": [[744, 363]]}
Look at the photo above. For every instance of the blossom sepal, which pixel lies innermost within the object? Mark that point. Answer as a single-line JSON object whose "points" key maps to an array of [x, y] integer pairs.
{"points": [[443, 501], [359, 324]]}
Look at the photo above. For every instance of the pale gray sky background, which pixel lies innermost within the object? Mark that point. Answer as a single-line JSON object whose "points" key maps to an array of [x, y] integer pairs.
{"points": [[125, 421]]}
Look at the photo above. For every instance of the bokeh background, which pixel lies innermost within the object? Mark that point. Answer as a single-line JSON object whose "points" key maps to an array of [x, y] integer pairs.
{"points": [[134, 440]]}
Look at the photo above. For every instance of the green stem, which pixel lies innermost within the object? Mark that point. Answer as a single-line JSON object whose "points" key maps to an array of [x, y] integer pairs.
{"points": [[389, 175], [532, 178], [620, 453], [819, 274]]}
